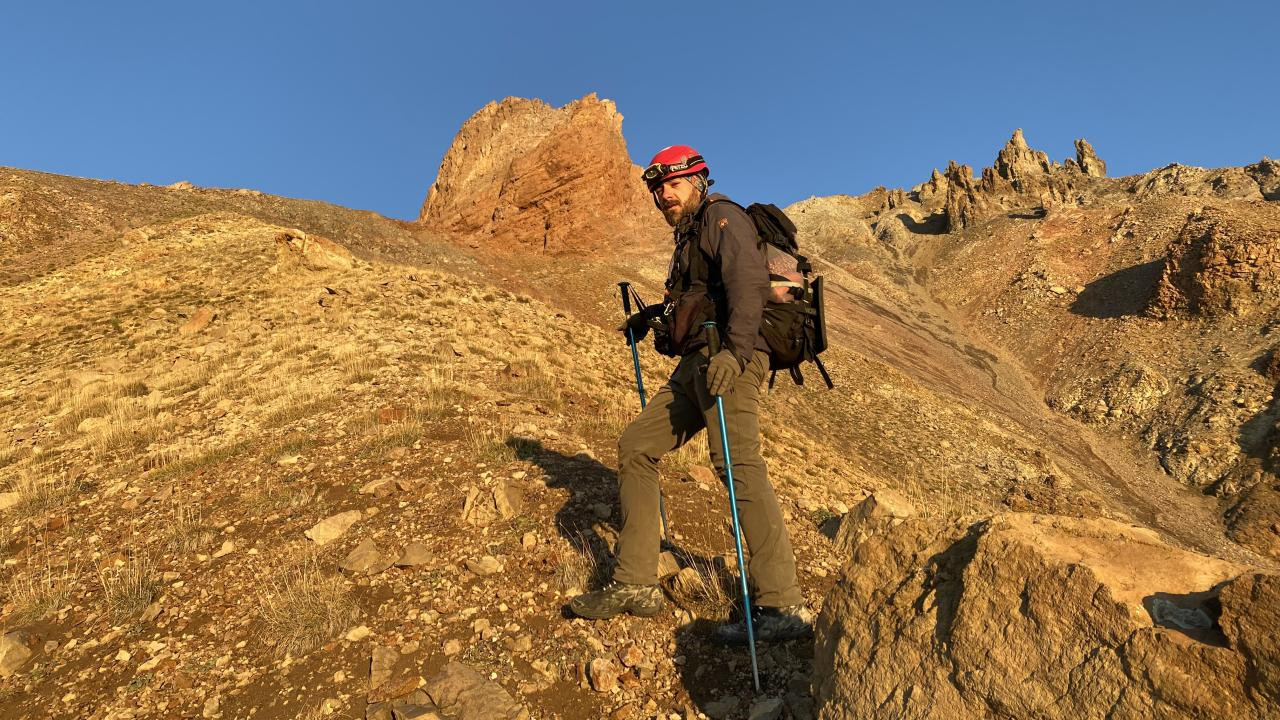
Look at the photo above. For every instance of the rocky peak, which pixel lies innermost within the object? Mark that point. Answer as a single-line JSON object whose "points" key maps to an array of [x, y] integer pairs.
{"points": [[1088, 161], [521, 173], [1018, 163]]}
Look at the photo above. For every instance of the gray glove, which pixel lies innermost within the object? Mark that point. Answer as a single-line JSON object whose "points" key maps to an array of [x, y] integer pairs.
{"points": [[722, 373]]}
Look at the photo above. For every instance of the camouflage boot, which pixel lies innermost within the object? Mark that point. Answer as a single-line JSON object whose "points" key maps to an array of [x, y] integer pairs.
{"points": [[769, 624], [616, 598]]}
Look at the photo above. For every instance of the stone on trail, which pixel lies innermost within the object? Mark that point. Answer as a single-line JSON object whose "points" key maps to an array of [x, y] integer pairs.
{"points": [[876, 512], [766, 709], [487, 505], [15, 649], [358, 633], [484, 565], [464, 694], [722, 708], [961, 612], [379, 488], [382, 661], [332, 527], [667, 564], [603, 675], [702, 474], [366, 559], [198, 321], [415, 553]]}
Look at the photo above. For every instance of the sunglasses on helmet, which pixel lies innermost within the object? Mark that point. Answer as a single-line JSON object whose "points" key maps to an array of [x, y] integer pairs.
{"points": [[661, 170]]}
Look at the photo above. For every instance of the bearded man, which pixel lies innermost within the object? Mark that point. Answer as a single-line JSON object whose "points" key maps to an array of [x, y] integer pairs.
{"points": [[718, 273]]}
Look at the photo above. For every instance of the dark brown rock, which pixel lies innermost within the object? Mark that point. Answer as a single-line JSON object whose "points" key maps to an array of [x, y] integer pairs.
{"points": [[1224, 261]]}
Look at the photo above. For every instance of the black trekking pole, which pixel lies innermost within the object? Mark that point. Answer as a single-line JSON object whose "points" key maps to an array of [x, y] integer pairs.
{"points": [[625, 287], [713, 344]]}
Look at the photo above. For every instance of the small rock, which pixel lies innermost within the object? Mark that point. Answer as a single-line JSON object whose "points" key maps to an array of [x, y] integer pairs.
{"points": [[484, 565], [210, 707], [415, 712], [227, 548], [601, 511], [332, 527], [632, 656], [452, 647], [8, 500], [123, 656], [198, 321], [358, 633], [365, 559], [1058, 290], [529, 541], [524, 643], [603, 675], [667, 564], [702, 474], [415, 553], [766, 709], [15, 649], [720, 709], [379, 488], [382, 661]]}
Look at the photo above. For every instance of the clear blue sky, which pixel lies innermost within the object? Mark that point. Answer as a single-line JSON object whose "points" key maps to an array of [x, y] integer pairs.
{"points": [[356, 103]]}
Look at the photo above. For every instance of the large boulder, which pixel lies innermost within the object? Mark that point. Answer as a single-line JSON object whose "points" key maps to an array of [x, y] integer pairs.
{"points": [[1224, 261], [521, 173], [1042, 616]]}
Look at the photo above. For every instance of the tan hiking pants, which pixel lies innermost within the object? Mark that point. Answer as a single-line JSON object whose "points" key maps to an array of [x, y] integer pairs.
{"points": [[681, 409]]}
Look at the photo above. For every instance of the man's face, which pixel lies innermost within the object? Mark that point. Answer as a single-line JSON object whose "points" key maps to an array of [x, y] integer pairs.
{"points": [[677, 198]]}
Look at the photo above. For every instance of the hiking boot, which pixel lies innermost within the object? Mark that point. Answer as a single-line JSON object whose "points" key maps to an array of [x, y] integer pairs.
{"points": [[770, 625], [617, 598]]}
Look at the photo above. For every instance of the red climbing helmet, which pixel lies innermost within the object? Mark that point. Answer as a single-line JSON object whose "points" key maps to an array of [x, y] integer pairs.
{"points": [[673, 162]]}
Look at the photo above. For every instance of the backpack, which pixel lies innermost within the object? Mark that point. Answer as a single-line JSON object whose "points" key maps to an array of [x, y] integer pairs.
{"points": [[793, 324]]}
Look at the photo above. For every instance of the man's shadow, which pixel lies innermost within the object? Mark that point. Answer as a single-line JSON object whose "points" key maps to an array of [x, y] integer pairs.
{"points": [[708, 671]]}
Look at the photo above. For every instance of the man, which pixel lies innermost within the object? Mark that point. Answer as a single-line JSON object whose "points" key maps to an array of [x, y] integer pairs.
{"points": [[717, 273]]}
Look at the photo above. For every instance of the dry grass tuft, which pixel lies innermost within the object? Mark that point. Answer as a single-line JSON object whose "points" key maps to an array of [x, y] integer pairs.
{"points": [[302, 607], [693, 453], [39, 494], [580, 567], [129, 426], [189, 533], [38, 594], [530, 378], [358, 365], [489, 446], [704, 583], [127, 589]]}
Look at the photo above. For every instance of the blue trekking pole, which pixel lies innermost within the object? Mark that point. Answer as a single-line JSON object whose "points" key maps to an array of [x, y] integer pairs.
{"points": [[713, 344], [625, 287]]}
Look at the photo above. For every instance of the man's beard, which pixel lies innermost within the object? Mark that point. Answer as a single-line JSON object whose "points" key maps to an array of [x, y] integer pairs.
{"points": [[680, 212]]}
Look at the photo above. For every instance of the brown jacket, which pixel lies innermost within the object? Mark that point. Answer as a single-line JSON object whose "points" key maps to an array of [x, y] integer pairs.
{"points": [[730, 271]]}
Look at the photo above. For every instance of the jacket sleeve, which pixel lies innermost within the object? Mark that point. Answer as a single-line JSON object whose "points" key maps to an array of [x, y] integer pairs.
{"points": [[731, 241]]}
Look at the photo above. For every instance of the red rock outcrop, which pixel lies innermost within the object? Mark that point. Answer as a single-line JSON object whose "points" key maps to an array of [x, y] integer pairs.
{"points": [[524, 174], [1041, 616], [1224, 261]]}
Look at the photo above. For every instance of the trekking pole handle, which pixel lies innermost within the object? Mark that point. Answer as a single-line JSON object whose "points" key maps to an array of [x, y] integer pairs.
{"points": [[713, 336], [626, 297]]}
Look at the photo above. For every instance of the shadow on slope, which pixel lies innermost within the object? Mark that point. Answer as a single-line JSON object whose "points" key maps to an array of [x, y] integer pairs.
{"points": [[1120, 294]]}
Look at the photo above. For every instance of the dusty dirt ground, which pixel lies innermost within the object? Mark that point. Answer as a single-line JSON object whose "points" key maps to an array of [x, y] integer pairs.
{"points": [[185, 395]]}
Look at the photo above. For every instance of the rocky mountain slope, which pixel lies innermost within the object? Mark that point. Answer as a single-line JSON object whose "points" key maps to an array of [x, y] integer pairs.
{"points": [[273, 458]]}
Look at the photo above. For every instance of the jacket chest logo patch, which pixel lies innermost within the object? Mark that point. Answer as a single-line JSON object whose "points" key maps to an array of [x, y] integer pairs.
{"points": [[724, 222]]}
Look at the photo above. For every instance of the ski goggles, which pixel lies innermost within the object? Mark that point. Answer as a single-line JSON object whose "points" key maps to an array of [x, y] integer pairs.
{"points": [[657, 171]]}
